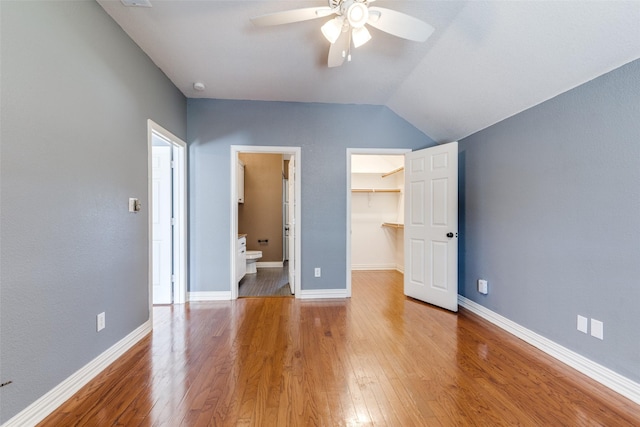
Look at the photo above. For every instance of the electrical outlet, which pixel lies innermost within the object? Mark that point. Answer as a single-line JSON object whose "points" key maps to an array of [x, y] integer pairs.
{"points": [[597, 329], [582, 324], [317, 272], [100, 322], [483, 287]]}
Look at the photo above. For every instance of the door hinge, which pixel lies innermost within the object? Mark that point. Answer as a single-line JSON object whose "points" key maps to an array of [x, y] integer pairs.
{"points": [[173, 278], [173, 221], [173, 164]]}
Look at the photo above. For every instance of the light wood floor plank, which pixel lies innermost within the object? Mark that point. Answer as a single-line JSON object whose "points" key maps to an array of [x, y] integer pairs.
{"points": [[378, 359]]}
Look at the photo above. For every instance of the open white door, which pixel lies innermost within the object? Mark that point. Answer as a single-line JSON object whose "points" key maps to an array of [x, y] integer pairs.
{"points": [[162, 229], [431, 225], [291, 223]]}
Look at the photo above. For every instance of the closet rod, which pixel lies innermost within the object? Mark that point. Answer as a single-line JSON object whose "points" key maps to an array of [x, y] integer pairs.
{"points": [[401, 168], [392, 225]]}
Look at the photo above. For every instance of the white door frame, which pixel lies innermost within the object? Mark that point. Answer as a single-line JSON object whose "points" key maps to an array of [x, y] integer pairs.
{"points": [[350, 152], [179, 211], [233, 237]]}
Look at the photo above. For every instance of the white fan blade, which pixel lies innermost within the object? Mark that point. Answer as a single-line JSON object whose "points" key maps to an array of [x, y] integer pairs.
{"points": [[339, 50], [289, 16], [399, 24]]}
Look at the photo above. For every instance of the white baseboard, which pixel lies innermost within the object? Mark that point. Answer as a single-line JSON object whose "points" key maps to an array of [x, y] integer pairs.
{"points": [[605, 376], [322, 294], [55, 397], [400, 268], [269, 264], [209, 296]]}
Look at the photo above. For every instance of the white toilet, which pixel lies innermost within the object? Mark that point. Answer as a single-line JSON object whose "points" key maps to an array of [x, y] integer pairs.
{"points": [[252, 257]]}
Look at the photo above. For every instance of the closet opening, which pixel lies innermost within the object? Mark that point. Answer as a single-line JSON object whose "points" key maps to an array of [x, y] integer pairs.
{"points": [[375, 210]]}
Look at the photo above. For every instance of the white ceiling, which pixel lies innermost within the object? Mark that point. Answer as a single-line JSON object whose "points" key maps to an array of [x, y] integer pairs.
{"points": [[486, 61]]}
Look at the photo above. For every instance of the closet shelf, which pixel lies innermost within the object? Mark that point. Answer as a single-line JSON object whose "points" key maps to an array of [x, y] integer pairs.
{"points": [[401, 168], [375, 190], [392, 225]]}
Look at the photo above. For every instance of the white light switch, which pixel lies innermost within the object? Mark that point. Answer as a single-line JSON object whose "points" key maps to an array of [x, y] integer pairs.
{"points": [[134, 205]]}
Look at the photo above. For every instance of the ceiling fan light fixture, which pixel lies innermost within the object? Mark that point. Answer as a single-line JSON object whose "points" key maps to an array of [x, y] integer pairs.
{"points": [[358, 15], [347, 29], [360, 36], [332, 29]]}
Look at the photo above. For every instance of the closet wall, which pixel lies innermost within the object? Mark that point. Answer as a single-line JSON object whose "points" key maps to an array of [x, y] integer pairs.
{"points": [[377, 212]]}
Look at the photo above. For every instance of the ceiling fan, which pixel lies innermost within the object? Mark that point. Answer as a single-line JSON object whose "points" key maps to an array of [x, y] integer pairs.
{"points": [[349, 25]]}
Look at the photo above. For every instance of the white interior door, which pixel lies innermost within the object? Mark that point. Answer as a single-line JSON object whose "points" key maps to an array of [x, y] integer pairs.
{"points": [[285, 219], [291, 221], [162, 230], [431, 225]]}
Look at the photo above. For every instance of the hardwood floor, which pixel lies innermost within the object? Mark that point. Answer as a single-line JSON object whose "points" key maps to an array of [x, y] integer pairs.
{"points": [[377, 359], [267, 282]]}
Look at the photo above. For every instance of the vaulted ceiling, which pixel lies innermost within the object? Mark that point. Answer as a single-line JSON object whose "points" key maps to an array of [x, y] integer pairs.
{"points": [[486, 60]]}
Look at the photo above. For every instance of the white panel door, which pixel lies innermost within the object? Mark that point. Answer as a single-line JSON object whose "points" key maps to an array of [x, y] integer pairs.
{"points": [[431, 225], [291, 221], [162, 230]]}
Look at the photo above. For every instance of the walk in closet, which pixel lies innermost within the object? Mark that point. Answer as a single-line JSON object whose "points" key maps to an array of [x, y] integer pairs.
{"points": [[377, 212]]}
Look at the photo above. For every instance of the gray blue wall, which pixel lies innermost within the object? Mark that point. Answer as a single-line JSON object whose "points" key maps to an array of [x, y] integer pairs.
{"points": [[76, 96], [323, 132], [550, 206], [550, 216]]}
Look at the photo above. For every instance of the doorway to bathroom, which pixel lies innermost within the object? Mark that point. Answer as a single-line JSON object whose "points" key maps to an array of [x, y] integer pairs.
{"points": [[167, 216], [265, 216]]}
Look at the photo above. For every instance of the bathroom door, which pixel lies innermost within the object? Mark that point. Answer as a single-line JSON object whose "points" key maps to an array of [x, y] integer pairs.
{"points": [[291, 224], [431, 225]]}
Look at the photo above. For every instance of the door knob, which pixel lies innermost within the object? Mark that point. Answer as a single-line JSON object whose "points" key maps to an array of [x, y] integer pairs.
{"points": [[449, 234]]}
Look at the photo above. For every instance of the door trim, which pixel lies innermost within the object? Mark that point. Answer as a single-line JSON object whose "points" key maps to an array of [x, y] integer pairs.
{"points": [[233, 237], [350, 152], [179, 212]]}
